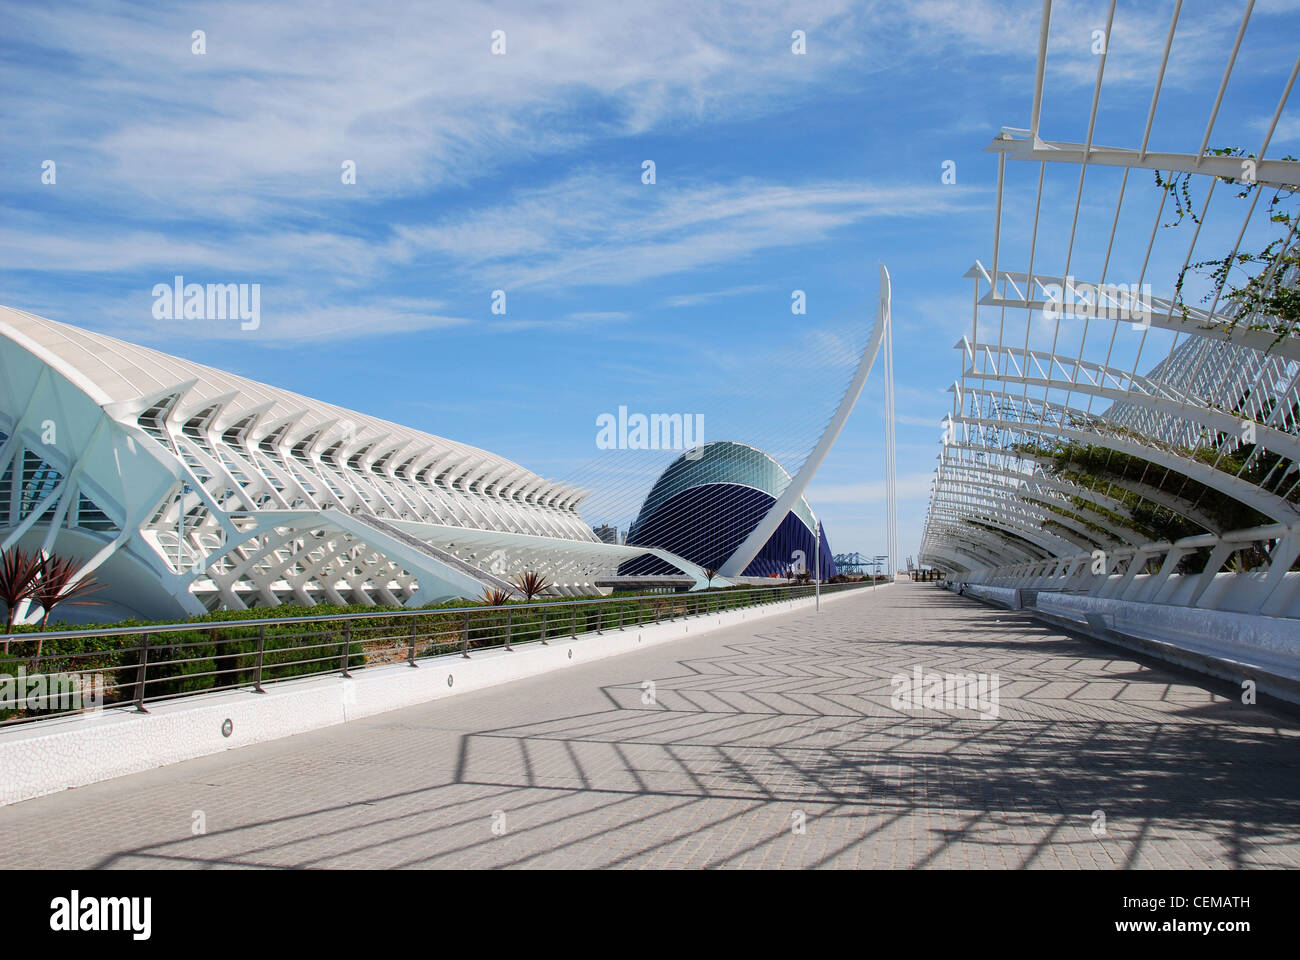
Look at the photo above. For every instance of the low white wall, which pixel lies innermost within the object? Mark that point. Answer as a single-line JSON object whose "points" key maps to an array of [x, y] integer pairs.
{"points": [[1268, 643], [1003, 596], [1233, 592], [46, 756]]}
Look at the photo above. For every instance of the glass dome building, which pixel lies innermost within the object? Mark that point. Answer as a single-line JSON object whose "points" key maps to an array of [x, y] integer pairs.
{"points": [[709, 500]]}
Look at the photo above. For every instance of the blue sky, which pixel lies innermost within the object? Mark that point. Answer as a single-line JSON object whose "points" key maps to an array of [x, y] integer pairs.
{"points": [[522, 172]]}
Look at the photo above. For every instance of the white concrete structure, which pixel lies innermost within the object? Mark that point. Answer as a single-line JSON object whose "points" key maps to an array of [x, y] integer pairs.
{"points": [[187, 489], [1140, 451]]}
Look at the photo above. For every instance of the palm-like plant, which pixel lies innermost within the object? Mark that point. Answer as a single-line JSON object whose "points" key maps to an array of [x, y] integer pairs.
{"points": [[494, 597], [711, 574], [58, 583], [531, 585], [18, 572]]}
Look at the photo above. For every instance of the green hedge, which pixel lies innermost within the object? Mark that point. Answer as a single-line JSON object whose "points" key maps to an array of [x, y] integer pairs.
{"points": [[202, 657]]}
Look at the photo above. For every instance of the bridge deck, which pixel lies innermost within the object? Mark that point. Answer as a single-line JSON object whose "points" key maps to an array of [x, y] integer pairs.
{"points": [[751, 727]]}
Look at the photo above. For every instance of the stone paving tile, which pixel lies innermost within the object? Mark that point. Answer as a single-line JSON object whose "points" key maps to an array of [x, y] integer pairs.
{"points": [[770, 745]]}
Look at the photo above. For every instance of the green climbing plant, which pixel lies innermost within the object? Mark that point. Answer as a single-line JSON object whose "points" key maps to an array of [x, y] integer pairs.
{"points": [[1253, 281]]}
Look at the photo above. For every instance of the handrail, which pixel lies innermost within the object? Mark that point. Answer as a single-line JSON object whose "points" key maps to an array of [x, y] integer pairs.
{"points": [[249, 654], [385, 614]]}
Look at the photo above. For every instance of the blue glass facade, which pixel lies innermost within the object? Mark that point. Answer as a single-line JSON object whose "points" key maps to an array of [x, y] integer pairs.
{"points": [[703, 508]]}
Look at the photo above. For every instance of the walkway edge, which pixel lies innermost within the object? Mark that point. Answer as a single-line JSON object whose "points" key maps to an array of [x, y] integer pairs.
{"points": [[47, 756], [1268, 680]]}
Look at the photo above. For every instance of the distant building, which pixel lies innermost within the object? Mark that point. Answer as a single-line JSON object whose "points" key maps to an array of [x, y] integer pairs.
{"points": [[708, 501], [605, 533]]}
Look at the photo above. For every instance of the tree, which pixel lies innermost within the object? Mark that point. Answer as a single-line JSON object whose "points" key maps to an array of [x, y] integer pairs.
{"points": [[57, 582], [531, 585], [18, 572], [711, 574]]}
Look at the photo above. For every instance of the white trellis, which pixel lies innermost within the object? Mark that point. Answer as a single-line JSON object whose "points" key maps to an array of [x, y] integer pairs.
{"points": [[1061, 461]]}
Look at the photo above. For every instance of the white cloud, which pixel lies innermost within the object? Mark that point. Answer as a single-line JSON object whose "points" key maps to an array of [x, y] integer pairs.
{"points": [[914, 486], [29, 245], [911, 421], [1287, 131], [695, 299], [410, 91], [603, 229], [598, 316], [289, 321]]}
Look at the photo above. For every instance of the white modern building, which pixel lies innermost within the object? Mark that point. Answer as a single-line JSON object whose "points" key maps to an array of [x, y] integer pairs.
{"points": [[186, 489]]}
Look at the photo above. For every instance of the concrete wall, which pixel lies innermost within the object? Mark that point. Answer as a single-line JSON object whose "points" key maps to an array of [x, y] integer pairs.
{"points": [[1002, 596], [1272, 643], [1232, 646], [1235, 592], [46, 756]]}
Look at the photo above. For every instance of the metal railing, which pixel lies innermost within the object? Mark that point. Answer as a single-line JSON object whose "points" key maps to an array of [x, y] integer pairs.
{"points": [[63, 672]]}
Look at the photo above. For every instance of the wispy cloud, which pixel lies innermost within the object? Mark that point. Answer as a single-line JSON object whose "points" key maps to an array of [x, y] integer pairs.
{"points": [[695, 299], [910, 487], [606, 229], [911, 421], [284, 94], [598, 316], [1287, 130], [292, 321]]}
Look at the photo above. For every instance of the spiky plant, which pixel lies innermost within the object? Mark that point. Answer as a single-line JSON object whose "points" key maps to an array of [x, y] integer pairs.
{"points": [[57, 583], [18, 572], [531, 585], [711, 574], [494, 597]]}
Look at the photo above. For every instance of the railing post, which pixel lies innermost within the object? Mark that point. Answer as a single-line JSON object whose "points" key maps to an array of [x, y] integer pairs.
{"points": [[464, 643], [544, 613], [510, 616], [347, 648], [621, 610], [410, 650], [573, 630], [600, 619], [261, 650], [141, 672]]}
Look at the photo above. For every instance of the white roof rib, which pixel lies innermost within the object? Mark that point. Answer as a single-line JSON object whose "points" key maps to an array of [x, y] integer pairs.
{"points": [[112, 372]]}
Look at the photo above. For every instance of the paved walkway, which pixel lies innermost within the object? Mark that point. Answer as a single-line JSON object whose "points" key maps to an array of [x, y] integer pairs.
{"points": [[766, 745]]}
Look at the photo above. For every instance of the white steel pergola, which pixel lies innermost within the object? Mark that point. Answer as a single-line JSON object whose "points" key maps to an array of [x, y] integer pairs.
{"points": [[1144, 456]]}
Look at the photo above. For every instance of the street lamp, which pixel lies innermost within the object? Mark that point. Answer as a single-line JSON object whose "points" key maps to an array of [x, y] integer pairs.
{"points": [[817, 561]]}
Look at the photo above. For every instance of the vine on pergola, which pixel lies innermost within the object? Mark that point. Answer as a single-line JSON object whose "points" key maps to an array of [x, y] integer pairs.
{"points": [[1264, 293]]}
